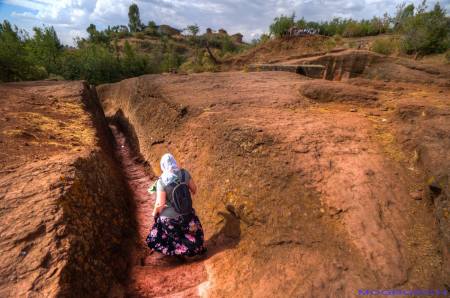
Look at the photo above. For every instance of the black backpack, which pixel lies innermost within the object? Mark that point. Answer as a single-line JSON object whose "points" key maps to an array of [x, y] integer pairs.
{"points": [[179, 195]]}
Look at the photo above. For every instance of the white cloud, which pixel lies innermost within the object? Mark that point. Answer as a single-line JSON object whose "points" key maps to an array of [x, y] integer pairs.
{"points": [[34, 5], [71, 17]]}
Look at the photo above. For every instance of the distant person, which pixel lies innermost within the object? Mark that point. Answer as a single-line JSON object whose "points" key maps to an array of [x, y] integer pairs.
{"points": [[177, 230]]}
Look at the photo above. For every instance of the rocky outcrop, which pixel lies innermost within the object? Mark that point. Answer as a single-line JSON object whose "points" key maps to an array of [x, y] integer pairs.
{"points": [[349, 64], [345, 65], [66, 221], [285, 181]]}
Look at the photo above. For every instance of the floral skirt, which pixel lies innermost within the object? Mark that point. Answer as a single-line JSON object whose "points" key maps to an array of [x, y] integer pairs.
{"points": [[181, 236]]}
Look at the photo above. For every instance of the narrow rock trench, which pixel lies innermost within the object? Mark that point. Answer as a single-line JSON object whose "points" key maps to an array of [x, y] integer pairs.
{"points": [[151, 275]]}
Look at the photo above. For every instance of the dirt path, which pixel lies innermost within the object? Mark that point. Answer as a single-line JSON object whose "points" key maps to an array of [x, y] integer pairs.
{"points": [[152, 275]]}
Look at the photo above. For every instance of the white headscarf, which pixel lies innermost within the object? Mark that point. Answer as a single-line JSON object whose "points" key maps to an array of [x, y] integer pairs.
{"points": [[168, 167]]}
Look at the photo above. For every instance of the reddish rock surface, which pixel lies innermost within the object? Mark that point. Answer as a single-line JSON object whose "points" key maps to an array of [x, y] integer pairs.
{"points": [[307, 188], [297, 197], [151, 275], [65, 220]]}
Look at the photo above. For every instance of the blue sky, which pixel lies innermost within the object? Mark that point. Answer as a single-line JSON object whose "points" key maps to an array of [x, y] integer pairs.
{"points": [[71, 17]]}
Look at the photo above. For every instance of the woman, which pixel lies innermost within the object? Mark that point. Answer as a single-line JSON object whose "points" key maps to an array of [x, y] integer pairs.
{"points": [[174, 234]]}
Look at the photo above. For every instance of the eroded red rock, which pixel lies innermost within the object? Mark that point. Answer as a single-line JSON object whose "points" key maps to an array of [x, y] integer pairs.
{"points": [[65, 219], [297, 197]]}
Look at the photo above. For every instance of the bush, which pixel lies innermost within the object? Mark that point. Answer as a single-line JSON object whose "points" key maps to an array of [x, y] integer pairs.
{"points": [[201, 63], [281, 25], [426, 32], [353, 29], [384, 46], [225, 43], [93, 63], [151, 29], [45, 49], [95, 59], [146, 45], [122, 34], [139, 35], [338, 39], [132, 63], [191, 67], [171, 59], [330, 44], [16, 63]]}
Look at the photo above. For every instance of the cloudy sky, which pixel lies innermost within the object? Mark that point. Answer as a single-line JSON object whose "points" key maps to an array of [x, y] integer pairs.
{"points": [[250, 17]]}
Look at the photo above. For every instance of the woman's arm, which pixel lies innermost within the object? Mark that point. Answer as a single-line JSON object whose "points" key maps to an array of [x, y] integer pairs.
{"points": [[192, 186], [160, 202]]}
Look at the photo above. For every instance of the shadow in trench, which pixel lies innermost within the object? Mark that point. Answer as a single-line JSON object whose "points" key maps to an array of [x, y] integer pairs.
{"points": [[227, 237]]}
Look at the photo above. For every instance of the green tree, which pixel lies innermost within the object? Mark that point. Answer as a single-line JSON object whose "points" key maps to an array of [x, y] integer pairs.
{"points": [[193, 29], [171, 59], [103, 37], [45, 49], [15, 63], [151, 29], [92, 31], [134, 18], [264, 38], [404, 12], [132, 63], [120, 31], [92, 62], [427, 31], [281, 25]]}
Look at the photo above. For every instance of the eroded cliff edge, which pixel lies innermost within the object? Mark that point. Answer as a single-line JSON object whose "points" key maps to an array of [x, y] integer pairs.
{"points": [[66, 222]]}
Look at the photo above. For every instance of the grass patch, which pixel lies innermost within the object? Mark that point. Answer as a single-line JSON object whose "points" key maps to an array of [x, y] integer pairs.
{"points": [[76, 131], [384, 46], [389, 144]]}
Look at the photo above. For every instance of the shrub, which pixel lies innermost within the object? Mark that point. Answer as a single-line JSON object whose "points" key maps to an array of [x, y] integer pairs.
{"points": [[45, 49], [151, 29], [385, 46], [281, 25], [94, 63], [16, 61], [132, 63], [330, 44], [191, 67], [426, 32], [146, 45], [338, 39], [122, 34], [139, 35], [171, 60]]}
